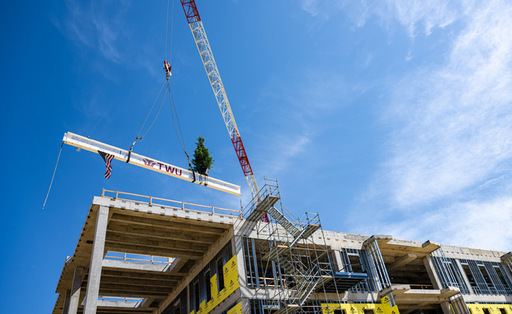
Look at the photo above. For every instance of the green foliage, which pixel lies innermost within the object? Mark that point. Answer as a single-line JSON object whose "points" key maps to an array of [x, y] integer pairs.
{"points": [[202, 160]]}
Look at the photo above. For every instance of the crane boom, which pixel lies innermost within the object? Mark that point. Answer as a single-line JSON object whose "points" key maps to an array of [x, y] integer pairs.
{"points": [[205, 51]]}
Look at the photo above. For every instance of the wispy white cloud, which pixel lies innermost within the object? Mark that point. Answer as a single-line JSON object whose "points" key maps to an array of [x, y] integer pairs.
{"points": [[310, 93], [321, 9], [286, 148], [455, 121], [428, 14], [478, 224], [410, 14], [453, 141], [451, 125], [91, 24], [302, 106]]}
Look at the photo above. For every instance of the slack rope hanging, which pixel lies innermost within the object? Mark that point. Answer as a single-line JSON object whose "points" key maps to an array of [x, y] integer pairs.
{"points": [[53, 176]]}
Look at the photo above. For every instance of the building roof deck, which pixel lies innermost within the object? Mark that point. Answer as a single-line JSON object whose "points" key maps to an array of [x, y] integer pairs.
{"points": [[150, 227]]}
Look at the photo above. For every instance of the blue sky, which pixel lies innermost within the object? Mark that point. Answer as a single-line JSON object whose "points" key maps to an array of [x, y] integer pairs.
{"points": [[389, 118]]}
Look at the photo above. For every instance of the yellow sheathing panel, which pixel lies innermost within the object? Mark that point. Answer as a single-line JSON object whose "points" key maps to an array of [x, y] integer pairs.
{"points": [[492, 308], [358, 308], [230, 285], [237, 309]]}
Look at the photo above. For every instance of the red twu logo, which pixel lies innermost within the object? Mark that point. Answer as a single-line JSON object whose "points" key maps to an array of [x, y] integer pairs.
{"points": [[148, 162]]}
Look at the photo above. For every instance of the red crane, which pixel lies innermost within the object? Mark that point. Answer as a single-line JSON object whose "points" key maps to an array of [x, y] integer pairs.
{"points": [[205, 51]]}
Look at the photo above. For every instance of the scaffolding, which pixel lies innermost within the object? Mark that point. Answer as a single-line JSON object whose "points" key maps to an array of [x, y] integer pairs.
{"points": [[287, 258]]}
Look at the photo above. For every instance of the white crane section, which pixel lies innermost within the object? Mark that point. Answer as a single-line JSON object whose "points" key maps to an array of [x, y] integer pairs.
{"points": [[149, 163], [212, 72]]}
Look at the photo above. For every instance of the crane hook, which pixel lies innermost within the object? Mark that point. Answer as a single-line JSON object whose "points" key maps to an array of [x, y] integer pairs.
{"points": [[167, 68]]}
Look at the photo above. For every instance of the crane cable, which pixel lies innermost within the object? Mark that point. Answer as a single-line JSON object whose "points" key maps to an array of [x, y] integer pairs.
{"points": [[165, 53], [166, 30], [174, 113], [138, 137], [53, 176], [176, 122]]}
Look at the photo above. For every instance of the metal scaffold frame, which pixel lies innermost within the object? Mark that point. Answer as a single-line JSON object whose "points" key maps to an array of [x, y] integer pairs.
{"points": [[293, 265]]}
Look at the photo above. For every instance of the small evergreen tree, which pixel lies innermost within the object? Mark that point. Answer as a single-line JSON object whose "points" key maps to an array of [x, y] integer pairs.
{"points": [[202, 160]]}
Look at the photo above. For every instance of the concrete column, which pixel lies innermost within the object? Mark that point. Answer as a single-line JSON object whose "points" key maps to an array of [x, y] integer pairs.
{"points": [[187, 306], [98, 247], [74, 301], [237, 244], [66, 302], [447, 309], [246, 306], [338, 261]]}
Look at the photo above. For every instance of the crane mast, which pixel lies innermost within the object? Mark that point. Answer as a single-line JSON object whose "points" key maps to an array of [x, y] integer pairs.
{"points": [[205, 51]]}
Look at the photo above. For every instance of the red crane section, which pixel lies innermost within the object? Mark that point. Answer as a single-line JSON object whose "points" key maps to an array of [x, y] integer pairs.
{"points": [[205, 51]]}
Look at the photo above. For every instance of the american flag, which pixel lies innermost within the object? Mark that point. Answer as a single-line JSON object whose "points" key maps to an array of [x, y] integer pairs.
{"points": [[108, 158]]}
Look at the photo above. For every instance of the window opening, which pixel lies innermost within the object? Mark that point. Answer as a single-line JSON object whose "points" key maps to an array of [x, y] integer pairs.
{"points": [[486, 310], [469, 274], [207, 286], [177, 307], [502, 311], [339, 311], [220, 274], [355, 263], [196, 294], [249, 267], [368, 311], [486, 276], [500, 275]]}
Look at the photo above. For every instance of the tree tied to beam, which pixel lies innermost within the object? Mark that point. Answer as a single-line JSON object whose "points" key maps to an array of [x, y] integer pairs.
{"points": [[202, 160]]}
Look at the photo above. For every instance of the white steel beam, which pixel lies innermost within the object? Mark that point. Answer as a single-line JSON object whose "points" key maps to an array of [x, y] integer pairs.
{"points": [[149, 163]]}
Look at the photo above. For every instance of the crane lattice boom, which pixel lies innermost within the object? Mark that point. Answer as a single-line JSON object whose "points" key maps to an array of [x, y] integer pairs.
{"points": [[203, 46]]}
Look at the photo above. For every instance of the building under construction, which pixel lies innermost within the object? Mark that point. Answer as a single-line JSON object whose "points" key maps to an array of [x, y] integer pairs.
{"points": [[139, 254]]}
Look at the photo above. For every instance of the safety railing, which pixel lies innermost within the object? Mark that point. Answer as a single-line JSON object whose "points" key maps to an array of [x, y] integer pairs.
{"points": [[136, 258], [123, 299], [163, 202]]}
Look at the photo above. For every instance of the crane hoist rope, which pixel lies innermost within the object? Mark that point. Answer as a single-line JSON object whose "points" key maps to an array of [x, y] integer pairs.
{"points": [[142, 161], [167, 69]]}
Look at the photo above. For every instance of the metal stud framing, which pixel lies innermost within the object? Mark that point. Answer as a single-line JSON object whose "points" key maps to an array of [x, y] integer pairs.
{"points": [[448, 272]]}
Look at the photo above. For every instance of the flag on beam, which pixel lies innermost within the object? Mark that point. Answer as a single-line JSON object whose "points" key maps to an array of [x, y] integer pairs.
{"points": [[107, 158]]}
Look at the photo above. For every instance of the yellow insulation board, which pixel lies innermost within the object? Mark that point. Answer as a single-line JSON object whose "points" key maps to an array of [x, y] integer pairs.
{"points": [[358, 308], [230, 270], [492, 308], [237, 309]]}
